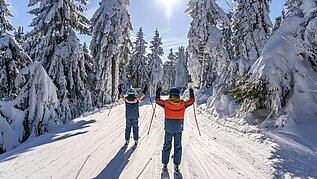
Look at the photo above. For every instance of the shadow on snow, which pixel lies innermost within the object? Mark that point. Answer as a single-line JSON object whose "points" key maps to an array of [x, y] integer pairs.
{"points": [[47, 138], [294, 163], [115, 167]]}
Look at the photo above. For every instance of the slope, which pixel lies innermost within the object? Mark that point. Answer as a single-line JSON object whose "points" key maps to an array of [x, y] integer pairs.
{"points": [[90, 147]]}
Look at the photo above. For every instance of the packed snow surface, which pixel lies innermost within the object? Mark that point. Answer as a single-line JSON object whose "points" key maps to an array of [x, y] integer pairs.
{"points": [[90, 147]]}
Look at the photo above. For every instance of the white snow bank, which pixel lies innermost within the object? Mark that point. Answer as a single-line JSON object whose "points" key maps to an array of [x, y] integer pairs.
{"points": [[35, 110], [292, 83], [11, 126]]}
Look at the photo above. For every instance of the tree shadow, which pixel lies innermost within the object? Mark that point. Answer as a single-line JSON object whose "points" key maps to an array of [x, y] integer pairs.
{"points": [[294, 164], [115, 167], [47, 138], [295, 161]]}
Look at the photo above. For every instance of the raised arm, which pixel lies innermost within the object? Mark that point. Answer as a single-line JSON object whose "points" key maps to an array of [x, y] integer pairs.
{"points": [[141, 96], [123, 97], [191, 98], [158, 99]]}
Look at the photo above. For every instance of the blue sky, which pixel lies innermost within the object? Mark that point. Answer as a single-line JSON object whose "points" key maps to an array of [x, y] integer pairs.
{"points": [[166, 15]]}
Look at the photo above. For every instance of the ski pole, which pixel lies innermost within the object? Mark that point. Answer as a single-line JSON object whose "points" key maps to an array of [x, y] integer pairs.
{"points": [[151, 119], [152, 104], [110, 109], [196, 119]]}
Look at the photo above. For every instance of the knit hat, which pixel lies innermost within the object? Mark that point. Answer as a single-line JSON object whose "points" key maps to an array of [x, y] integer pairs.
{"points": [[132, 91], [174, 92]]}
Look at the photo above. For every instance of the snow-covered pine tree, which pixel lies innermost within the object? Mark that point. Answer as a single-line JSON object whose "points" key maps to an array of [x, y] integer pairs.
{"points": [[181, 76], [171, 56], [206, 15], [169, 72], [5, 25], [89, 81], [111, 28], [125, 56], [59, 49], [12, 57], [251, 27], [33, 112], [294, 7], [19, 35], [38, 100], [282, 82], [155, 63], [12, 60], [137, 70]]}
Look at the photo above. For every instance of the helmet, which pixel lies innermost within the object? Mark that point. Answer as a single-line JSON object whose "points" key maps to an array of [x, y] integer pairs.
{"points": [[174, 92], [132, 91]]}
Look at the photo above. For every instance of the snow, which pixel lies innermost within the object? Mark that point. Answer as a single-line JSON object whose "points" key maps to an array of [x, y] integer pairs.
{"points": [[110, 43], [11, 132], [90, 147], [308, 5], [295, 77], [8, 137], [267, 134]]}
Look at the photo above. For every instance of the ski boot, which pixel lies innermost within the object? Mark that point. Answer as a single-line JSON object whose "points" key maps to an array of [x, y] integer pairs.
{"points": [[125, 144], [176, 168], [136, 142], [164, 168]]}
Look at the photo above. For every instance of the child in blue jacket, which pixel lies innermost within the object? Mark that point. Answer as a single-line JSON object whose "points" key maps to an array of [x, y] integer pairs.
{"points": [[132, 115]]}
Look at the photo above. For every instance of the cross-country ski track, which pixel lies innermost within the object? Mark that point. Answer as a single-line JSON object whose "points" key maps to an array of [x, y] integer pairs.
{"points": [[90, 147]]}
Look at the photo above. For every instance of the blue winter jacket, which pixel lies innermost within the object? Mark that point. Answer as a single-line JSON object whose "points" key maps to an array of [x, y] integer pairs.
{"points": [[132, 106]]}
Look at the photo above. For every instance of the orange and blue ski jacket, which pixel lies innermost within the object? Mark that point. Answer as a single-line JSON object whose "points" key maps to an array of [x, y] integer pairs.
{"points": [[174, 109]]}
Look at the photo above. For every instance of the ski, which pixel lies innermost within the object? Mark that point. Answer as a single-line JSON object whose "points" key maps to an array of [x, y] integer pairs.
{"points": [[124, 146], [165, 174], [134, 146], [178, 175]]}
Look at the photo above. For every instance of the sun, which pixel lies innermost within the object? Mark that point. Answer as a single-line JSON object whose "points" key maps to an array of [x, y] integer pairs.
{"points": [[168, 6]]}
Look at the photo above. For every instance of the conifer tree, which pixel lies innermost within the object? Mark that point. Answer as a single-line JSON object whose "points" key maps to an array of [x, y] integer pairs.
{"points": [[138, 68], [5, 25], [111, 27], [54, 43], [169, 71], [19, 35], [155, 62], [251, 28], [181, 77], [206, 17], [12, 57]]}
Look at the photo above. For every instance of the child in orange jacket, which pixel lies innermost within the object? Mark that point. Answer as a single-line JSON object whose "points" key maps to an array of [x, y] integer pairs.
{"points": [[174, 109]]}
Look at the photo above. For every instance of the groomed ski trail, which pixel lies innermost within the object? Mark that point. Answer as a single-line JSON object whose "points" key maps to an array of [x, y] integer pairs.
{"points": [[90, 147]]}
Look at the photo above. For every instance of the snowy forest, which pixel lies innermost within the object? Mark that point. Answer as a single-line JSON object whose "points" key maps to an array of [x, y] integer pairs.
{"points": [[243, 67]]}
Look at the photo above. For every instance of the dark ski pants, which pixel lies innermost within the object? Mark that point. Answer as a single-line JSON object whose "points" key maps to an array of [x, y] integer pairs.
{"points": [[132, 123], [168, 146]]}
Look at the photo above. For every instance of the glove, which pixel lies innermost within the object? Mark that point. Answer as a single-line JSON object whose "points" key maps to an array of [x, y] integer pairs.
{"points": [[145, 89], [120, 89], [191, 93], [158, 91]]}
